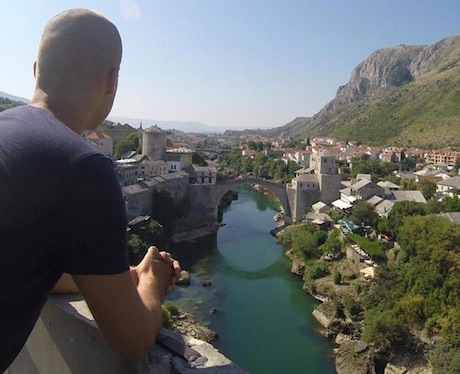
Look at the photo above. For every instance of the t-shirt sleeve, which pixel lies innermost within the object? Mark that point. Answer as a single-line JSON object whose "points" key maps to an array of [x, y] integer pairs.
{"points": [[93, 239]]}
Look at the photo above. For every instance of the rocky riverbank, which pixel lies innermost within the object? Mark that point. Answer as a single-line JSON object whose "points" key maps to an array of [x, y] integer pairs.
{"points": [[186, 324], [352, 355]]}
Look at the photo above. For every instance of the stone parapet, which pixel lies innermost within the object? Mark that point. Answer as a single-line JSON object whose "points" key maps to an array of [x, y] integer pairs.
{"points": [[66, 339]]}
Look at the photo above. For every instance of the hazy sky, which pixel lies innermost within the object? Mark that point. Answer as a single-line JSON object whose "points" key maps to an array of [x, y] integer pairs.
{"points": [[230, 63]]}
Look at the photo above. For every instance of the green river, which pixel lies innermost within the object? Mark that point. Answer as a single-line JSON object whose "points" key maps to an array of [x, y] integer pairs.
{"points": [[263, 316]]}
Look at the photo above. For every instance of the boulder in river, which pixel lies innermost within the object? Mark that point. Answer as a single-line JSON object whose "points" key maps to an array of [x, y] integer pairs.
{"points": [[184, 278]]}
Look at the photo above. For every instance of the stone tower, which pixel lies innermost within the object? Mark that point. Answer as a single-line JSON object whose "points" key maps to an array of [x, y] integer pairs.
{"points": [[154, 143], [329, 180]]}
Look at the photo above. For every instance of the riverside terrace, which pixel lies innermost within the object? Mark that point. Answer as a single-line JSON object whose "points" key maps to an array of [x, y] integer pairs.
{"points": [[66, 340]]}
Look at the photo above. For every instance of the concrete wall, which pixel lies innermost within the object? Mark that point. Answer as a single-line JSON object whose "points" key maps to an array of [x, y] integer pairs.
{"points": [[66, 340]]}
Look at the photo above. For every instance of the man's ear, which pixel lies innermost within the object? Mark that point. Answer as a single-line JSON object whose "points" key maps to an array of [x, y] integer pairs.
{"points": [[35, 69], [112, 81]]}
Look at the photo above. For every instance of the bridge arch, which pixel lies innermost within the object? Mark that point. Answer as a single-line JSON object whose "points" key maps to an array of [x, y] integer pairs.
{"points": [[279, 190]]}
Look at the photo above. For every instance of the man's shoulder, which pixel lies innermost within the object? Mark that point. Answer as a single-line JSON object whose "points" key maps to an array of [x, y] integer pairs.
{"points": [[37, 134]]}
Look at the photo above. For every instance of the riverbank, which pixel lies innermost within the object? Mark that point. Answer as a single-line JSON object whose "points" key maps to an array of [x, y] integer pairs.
{"points": [[187, 324], [342, 320]]}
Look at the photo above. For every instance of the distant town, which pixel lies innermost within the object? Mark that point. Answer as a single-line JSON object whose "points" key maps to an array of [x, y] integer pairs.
{"points": [[166, 158]]}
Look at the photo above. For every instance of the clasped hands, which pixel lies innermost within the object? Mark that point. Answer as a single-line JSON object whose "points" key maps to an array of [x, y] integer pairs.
{"points": [[159, 268]]}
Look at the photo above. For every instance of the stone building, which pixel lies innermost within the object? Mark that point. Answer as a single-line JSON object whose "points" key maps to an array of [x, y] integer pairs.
{"points": [[154, 143], [319, 182]]}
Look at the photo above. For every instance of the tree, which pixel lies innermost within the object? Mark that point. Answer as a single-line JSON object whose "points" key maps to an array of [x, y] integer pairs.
{"points": [[408, 164], [400, 211], [333, 243], [168, 211], [363, 213], [130, 143], [198, 159], [428, 188]]}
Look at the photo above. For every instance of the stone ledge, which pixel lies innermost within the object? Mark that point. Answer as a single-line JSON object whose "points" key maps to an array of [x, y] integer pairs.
{"points": [[66, 339]]}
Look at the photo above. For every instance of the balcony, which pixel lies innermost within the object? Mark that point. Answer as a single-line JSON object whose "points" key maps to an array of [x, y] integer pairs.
{"points": [[66, 339]]}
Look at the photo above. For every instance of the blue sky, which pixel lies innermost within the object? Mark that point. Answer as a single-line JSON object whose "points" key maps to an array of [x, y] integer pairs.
{"points": [[230, 63]]}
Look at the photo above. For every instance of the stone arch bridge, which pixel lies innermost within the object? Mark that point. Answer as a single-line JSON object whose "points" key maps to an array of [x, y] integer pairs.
{"points": [[278, 189]]}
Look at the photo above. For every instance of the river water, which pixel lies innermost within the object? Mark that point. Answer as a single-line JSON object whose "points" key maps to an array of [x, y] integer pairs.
{"points": [[263, 316]]}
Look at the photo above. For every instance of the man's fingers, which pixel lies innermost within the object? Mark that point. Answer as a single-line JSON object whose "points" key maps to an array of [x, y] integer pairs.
{"points": [[177, 270], [152, 251]]}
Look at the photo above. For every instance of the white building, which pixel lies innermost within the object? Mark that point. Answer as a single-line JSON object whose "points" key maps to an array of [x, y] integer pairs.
{"points": [[100, 141], [178, 159]]}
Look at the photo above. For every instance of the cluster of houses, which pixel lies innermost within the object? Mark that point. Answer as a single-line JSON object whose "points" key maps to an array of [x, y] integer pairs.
{"points": [[140, 174], [382, 195]]}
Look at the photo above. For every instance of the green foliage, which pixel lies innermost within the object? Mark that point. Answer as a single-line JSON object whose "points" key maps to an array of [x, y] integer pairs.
{"points": [[427, 188], [8, 104], [421, 113], [445, 358], [400, 211], [451, 203], [372, 247], [377, 169], [335, 214], [316, 270], [168, 211], [333, 243], [385, 328], [258, 146], [199, 159], [261, 166], [421, 289], [303, 240], [167, 320], [363, 213], [172, 308], [350, 306], [408, 164], [408, 184], [337, 277], [382, 225], [130, 143], [142, 236]]}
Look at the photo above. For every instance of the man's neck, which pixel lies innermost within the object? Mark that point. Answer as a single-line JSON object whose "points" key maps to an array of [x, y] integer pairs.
{"points": [[60, 110]]}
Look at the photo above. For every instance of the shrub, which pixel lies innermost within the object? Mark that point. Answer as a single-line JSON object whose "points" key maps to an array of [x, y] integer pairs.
{"points": [[316, 271], [445, 358], [172, 308], [167, 321], [337, 277]]}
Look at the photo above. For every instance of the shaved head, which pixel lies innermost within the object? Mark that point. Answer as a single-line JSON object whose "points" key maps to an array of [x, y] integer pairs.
{"points": [[77, 49]]}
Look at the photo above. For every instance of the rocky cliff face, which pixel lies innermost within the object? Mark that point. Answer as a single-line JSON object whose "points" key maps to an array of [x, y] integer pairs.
{"points": [[382, 72], [385, 68]]}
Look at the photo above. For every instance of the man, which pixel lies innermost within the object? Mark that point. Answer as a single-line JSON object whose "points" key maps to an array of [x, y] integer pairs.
{"points": [[61, 209]]}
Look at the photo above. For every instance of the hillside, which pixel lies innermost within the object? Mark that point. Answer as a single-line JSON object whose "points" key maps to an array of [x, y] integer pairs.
{"points": [[405, 95]]}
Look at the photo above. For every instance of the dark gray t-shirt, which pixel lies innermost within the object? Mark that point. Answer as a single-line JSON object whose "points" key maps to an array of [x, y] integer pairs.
{"points": [[61, 210]]}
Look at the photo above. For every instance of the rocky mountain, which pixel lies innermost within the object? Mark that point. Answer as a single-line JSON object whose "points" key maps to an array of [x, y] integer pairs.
{"points": [[405, 95]]}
